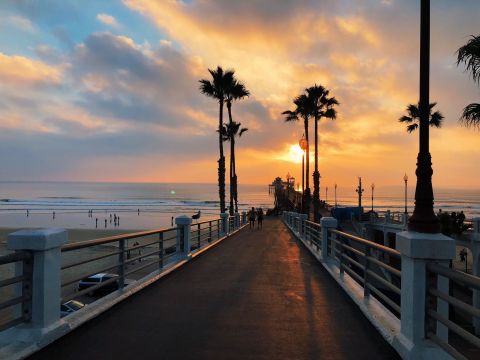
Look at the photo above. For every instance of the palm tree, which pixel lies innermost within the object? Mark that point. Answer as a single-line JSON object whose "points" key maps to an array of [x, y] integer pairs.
{"points": [[470, 55], [302, 111], [216, 89], [322, 107], [413, 118], [234, 90], [229, 132]]}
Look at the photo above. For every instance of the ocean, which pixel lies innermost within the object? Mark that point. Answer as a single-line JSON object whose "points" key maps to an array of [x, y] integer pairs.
{"points": [[152, 205]]}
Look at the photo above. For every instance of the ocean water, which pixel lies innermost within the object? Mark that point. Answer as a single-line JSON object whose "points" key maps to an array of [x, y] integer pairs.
{"points": [[138, 205], [152, 205]]}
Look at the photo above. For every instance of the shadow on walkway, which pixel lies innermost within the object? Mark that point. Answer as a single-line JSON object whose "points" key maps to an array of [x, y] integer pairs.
{"points": [[257, 295]]}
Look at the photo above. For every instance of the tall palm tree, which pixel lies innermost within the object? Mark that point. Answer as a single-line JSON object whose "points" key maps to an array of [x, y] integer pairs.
{"points": [[302, 111], [413, 117], [470, 55], [216, 90], [321, 106], [229, 132], [234, 90]]}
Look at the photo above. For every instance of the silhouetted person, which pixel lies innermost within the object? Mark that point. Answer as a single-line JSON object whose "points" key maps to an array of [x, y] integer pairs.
{"points": [[28, 213], [54, 215], [118, 220], [260, 218], [138, 212], [105, 222], [110, 218], [96, 222], [172, 221], [251, 218]]}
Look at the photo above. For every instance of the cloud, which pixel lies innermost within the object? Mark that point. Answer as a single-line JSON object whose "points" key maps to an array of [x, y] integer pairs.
{"points": [[108, 20], [21, 23], [22, 71]]}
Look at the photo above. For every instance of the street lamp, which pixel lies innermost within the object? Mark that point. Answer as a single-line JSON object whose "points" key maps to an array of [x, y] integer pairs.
{"points": [[303, 145], [359, 190], [288, 186], [335, 195], [423, 218], [373, 188], [326, 195], [405, 178]]}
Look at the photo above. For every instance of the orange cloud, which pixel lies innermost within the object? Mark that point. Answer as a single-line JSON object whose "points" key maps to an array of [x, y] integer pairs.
{"points": [[19, 70]]}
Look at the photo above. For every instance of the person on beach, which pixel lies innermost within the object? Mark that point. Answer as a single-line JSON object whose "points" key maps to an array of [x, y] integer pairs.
{"points": [[96, 222], [138, 212], [54, 215], [172, 221], [260, 218], [105, 223], [28, 213], [251, 218]]}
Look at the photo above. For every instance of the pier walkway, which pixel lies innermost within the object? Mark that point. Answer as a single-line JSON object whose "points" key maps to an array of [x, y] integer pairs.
{"points": [[257, 295]]}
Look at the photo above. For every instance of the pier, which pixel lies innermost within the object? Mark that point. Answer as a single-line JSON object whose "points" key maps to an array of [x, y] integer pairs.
{"points": [[258, 295], [220, 289]]}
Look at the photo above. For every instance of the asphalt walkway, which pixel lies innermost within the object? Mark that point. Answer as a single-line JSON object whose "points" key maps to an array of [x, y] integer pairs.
{"points": [[257, 295]]}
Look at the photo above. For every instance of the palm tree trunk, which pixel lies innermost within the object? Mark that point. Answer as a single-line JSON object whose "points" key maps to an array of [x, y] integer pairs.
{"points": [[221, 161], [307, 172], [316, 177], [234, 177], [232, 155]]}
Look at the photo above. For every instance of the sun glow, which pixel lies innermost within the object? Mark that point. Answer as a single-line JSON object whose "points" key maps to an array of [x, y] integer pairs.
{"points": [[293, 154]]}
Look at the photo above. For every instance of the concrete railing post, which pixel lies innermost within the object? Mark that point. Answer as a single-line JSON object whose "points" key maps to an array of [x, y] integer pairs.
{"points": [[183, 223], [387, 216], [417, 249], [303, 218], [46, 246], [224, 217], [476, 269], [326, 223], [244, 217], [237, 220]]}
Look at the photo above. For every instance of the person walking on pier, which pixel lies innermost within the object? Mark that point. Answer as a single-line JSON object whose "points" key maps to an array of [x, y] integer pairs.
{"points": [[260, 218], [251, 218]]}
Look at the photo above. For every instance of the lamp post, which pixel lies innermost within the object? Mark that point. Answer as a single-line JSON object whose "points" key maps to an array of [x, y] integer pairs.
{"points": [[288, 187], [405, 178], [326, 195], [335, 195], [423, 218], [359, 190], [373, 188], [303, 145]]}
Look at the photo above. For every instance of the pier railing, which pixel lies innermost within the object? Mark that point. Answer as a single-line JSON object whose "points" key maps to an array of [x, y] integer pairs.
{"points": [[439, 297], [16, 307], [92, 269], [375, 267], [404, 292]]}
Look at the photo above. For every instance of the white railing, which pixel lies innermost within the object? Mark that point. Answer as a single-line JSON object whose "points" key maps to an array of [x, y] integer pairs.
{"points": [[392, 286], [61, 269]]}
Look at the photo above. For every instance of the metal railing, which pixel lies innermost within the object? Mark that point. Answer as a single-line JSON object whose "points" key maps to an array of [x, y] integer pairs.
{"points": [[120, 255], [436, 272], [205, 232], [313, 233], [18, 268], [372, 265]]}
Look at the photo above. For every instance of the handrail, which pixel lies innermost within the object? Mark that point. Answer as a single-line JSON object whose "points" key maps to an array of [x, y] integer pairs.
{"points": [[367, 242], [467, 279], [14, 257], [110, 239]]}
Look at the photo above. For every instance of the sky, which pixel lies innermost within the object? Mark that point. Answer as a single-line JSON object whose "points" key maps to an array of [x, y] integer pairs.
{"points": [[108, 90]]}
